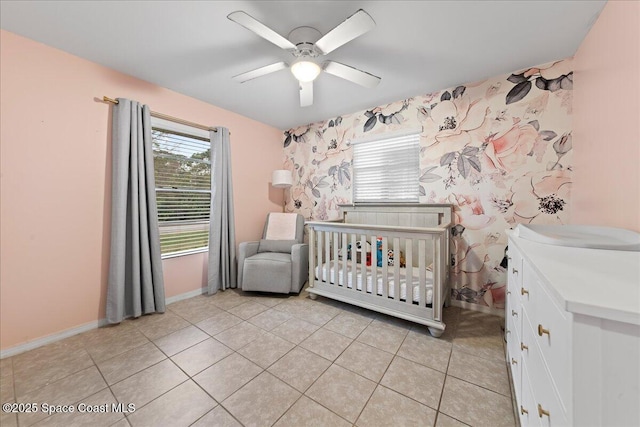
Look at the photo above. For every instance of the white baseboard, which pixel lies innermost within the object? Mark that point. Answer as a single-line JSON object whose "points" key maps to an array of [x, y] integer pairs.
{"points": [[39, 342], [477, 307], [186, 295]]}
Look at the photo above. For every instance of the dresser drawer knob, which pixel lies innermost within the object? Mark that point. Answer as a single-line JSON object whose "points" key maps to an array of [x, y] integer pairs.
{"points": [[508, 292], [523, 291], [542, 412], [542, 331], [523, 411], [514, 361], [523, 347], [514, 271]]}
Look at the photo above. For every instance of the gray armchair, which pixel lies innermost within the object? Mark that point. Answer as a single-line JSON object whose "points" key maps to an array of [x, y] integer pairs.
{"points": [[279, 262]]}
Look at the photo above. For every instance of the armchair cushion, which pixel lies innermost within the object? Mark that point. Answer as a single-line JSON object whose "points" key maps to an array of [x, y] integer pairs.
{"points": [[267, 271], [283, 246]]}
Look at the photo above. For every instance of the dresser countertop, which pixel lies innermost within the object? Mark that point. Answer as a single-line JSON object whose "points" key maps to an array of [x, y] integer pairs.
{"points": [[592, 282]]}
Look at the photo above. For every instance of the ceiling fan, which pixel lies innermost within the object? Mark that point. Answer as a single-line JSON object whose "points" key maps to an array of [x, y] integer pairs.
{"points": [[306, 44]]}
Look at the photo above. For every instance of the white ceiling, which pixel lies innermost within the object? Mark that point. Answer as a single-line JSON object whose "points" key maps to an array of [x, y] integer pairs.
{"points": [[416, 47]]}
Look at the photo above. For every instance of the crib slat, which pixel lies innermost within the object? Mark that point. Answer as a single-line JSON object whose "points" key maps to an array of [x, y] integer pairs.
{"points": [[336, 266], [409, 266], [319, 254], [344, 260], [363, 263], [385, 269], [438, 247], [422, 287], [354, 266], [396, 270], [312, 247], [327, 256], [374, 265]]}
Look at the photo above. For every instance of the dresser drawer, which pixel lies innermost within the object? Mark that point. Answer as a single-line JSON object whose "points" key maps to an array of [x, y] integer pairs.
{"points": [[514, 357], [548, 406], [551, 329], [514, 270], [514, 314], [527, 409]]}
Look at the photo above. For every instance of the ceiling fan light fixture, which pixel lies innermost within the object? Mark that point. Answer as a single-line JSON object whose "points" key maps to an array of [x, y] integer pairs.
{"points": [[305, 71]]}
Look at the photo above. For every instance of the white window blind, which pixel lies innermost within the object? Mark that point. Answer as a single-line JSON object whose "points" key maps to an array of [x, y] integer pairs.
{"points": [[387, 169], [183, 190]]}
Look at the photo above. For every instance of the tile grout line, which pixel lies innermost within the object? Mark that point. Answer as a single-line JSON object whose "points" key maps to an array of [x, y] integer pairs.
{"points": [[339, 311], [235, 352], [355, 339], [294, 347], [446, 374], [109, 386], [190, 378], [325, 370]]}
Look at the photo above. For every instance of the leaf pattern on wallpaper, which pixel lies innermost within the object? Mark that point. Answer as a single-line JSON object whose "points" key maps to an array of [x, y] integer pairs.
{"points": [[463, 161], [518, 92], [500, 159], [378, 115], [459, 91], [562, 146], [292, 135], [428, 177], [335, 122], [341, 174], [553, 78], [548, 135]]}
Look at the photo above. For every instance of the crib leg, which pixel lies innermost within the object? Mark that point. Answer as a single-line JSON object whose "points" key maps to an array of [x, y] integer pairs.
{"points": [[313, 296], [436, 333]]}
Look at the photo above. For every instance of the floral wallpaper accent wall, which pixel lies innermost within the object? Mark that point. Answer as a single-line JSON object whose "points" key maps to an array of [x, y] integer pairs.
{"points": [[498, 150]]}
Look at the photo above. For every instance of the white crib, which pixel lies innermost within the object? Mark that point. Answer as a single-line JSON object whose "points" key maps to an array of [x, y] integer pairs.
{"points": [[414, 292]]}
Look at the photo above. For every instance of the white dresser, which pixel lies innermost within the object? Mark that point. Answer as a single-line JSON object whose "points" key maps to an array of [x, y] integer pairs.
{"points": [[572, 326]]}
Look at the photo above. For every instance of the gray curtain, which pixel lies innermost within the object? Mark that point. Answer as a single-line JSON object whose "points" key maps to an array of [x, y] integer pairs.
{"points": [[222, 233], [136, 284]]}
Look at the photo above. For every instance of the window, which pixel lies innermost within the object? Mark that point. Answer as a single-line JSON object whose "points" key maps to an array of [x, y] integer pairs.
{"points": [[387, 168], [181, 156]]}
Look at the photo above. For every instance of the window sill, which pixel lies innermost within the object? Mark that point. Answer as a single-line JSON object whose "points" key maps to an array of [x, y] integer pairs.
{"points": [[184, 253]]}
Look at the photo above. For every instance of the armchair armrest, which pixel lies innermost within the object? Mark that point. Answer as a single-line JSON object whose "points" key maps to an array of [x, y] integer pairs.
{"points": [[245, 250], [299, 266]]}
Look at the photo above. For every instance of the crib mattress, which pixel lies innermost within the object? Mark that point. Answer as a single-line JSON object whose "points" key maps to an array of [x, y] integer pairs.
{"points": [[379, 273]]}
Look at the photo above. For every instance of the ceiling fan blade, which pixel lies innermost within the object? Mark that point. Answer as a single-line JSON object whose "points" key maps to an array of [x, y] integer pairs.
{"points": [[352, 74], [352, 27], [252, 24], [259, 72], [306, 93]]}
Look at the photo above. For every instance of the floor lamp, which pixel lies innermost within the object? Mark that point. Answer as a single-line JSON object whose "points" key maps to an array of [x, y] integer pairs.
{"points": [[282, 178]]}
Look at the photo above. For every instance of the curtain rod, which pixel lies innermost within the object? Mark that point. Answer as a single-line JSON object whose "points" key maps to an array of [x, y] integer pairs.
{"points": [[168, 117]]}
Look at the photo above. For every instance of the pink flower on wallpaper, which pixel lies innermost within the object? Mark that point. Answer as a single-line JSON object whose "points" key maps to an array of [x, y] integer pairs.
{"points": [[541, 198], [302, 202], [495, 295], [469, 212], [509, 151], [453, 120]]}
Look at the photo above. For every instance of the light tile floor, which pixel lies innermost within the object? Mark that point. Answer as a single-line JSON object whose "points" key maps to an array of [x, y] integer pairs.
{"points": [[237, 359]]}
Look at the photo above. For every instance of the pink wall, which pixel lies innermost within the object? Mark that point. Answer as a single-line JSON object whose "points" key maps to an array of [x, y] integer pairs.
{"points": [[55, 185], [606, 120]]}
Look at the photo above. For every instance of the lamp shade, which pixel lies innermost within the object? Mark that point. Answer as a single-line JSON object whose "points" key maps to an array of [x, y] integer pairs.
{"points": [[281, 178]]}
